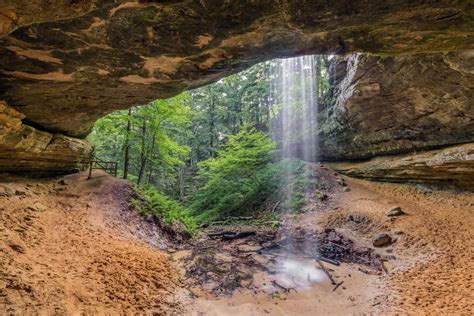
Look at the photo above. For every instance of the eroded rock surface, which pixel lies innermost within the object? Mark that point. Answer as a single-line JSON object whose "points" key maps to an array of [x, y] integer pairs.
{"points": [[452, 165], [24, 148], [394, 105]]}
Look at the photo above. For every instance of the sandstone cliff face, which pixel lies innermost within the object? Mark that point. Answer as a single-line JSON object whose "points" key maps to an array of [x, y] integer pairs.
{"points": [[24, 148], [453, 165], [396, 105]]}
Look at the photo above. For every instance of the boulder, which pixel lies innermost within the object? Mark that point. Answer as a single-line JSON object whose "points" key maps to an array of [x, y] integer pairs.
{"points": [[381, 240], [395, 211]]}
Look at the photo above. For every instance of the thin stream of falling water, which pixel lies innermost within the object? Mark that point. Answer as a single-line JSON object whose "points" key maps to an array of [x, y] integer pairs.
{"points": [[294, 90]]}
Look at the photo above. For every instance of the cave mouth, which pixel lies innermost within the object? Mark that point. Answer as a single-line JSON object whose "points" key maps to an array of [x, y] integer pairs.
{"points": [[279, 97], [318, 183]]}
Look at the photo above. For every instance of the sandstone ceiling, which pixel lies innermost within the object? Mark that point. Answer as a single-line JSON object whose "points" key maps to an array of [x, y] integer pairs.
{"points": [[63, 63]]}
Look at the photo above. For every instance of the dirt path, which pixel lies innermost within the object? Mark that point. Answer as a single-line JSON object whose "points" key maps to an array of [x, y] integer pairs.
{"points": [[81, 250]]}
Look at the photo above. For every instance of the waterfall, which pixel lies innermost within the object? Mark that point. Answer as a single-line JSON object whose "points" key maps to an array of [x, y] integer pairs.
{"points": [[294, 88], [294, 94]]}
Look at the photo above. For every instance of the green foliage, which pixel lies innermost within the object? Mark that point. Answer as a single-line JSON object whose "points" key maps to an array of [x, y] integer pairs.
{"points": [[219, 129], [238, 179], [149, 141], [151, 202], [242, 180]]}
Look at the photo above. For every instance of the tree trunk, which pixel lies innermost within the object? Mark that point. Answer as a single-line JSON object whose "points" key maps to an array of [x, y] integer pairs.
{"points": [[181, 182], [143, 152], [152, 153], [212, 124], [126, 158]]}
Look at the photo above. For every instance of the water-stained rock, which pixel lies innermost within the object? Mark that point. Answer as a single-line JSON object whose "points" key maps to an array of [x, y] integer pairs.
{"points": [[64, 64], [397, 105]]}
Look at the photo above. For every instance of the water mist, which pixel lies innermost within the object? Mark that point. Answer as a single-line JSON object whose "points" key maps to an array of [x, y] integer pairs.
{"points": [[294, 92]]}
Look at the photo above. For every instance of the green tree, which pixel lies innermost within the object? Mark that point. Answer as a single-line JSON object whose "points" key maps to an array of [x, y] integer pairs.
{"points": [[237, 180]]}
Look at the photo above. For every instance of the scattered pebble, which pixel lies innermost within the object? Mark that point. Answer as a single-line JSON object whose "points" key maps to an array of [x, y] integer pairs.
{"points": [[17, 248], [38, 207], [20, 192], [346, 189], [62, 182], [395, 211]]}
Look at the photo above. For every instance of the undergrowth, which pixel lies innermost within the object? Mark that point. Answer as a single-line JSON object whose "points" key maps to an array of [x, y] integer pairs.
{"points": [[149, 201], [243, 181]]}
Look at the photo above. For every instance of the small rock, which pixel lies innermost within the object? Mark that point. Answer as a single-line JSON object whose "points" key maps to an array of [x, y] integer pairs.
{"points": [[321, 195], [38, 207], [62, 182], [17, 248], [6, 191], [398, 232], [16, 244], [150, 218], [341, 182], [20, 192], [381, 240], [346, 189], [395, 211]]}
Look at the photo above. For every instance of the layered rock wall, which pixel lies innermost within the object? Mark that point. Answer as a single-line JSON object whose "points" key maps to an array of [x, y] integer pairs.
{"points": [[452, 165], [26, 149], [398, 105]]}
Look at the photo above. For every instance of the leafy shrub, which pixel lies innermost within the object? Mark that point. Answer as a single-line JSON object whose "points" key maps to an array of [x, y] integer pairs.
{"points": [[151, 202], [242, 180], [238, 179]]}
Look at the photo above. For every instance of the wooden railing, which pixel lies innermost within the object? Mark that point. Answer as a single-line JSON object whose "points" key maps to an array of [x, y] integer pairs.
{"points": [[108, 166]]}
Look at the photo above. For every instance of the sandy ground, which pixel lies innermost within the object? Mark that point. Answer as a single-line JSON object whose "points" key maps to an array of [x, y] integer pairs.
{"points": [[430, 271], [85, 251]]}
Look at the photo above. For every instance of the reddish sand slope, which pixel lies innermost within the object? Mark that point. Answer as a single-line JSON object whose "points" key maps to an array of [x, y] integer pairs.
{"points": [[81, 249]]}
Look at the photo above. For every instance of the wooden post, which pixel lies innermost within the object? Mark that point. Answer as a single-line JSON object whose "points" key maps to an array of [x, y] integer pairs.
{"points": [[90, 169]]}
